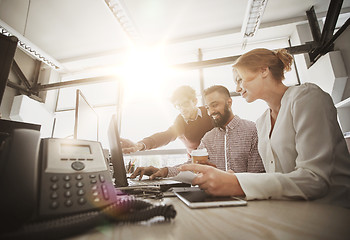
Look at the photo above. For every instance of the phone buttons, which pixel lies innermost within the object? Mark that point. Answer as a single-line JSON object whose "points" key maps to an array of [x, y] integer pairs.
{"points": [[66, 178], [80, 184], [102, 178], [54, 186], [68, 202], [78, 177], [54, 179], [68, 194], [67, 185], [93, 181], [54, 205], [105, 192], [78, 166], [81, 201], [54, 195], [81, 192]]}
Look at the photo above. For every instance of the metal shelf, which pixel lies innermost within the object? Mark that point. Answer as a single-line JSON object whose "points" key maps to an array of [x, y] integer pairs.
{"points": [[344, 103]]}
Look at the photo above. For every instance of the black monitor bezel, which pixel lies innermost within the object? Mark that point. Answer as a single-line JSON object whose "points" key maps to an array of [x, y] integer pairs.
{"points": [[117, 158]]}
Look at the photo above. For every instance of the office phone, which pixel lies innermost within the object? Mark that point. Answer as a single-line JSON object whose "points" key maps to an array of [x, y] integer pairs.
{"points": [[61, 186]]}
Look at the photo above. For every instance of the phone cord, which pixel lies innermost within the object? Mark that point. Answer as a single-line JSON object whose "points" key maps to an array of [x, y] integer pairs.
{"points": [[138, 210], [124, 210]]}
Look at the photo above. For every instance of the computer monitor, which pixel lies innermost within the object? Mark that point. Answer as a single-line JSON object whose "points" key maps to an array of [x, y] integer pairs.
{"points": [[116, 153], [86, 119]]}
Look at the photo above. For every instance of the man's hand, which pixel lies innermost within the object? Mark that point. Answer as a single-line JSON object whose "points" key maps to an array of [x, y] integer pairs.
{"points": [[214, 181], [151, 171], [129, 146], [126, 143]]}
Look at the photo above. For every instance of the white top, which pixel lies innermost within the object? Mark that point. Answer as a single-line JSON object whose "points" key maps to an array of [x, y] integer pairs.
{"points": [[306, 156], [199, 114]]}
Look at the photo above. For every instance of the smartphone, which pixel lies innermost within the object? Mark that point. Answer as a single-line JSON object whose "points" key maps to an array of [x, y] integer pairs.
{"points": [[200, 199]]}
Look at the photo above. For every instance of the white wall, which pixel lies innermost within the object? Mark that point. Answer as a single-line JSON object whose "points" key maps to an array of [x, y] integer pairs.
{"points": [[343, 44], [25, 109], [330, 74], [331, 71]]}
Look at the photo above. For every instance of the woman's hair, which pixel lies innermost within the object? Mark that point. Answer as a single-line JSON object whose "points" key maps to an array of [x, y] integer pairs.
{"points": [[183, 92], [278, 61]]}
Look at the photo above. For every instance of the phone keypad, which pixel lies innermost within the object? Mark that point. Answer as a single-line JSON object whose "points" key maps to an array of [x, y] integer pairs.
{"points": [[71, 193]]}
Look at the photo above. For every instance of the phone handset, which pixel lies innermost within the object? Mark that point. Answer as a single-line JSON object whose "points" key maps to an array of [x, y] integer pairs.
{"points": [[19, 176], [19, 180]]}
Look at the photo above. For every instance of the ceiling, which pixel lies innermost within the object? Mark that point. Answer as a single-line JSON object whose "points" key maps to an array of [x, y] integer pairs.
{"points": [[84, 34]]}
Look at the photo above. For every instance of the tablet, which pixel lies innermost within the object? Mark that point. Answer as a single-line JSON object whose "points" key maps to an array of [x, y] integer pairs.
{"points": [[199, 199]]}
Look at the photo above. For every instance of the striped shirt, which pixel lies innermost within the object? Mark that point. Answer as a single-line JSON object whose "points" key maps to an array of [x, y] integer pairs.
{"points": [[233, 148]]}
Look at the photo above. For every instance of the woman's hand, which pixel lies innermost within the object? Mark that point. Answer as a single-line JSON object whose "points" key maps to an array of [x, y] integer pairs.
{"points": [[214, 181]]}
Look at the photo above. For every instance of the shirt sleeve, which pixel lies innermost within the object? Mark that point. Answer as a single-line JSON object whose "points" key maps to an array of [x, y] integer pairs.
{"points": [[201, 145], [173, 171], [163, 138], [255, 163], [316, 130]]}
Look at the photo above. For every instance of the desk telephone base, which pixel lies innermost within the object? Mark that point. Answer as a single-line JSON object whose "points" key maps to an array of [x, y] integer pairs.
{"points": [[60, 187]]}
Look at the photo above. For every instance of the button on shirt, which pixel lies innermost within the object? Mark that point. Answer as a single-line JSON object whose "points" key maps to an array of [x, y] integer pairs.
{"points": [[235, 147]]}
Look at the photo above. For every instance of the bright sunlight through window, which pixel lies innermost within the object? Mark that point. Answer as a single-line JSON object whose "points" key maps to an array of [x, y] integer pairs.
{"points": [[144, 73]]}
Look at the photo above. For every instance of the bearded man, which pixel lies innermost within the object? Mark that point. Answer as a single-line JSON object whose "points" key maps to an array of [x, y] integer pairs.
{"points": [[233, 143]]}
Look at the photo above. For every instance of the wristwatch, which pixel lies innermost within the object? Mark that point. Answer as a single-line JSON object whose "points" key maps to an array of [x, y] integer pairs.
{"points": [[143, 146]]}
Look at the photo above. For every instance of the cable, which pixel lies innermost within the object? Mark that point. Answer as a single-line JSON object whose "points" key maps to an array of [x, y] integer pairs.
{"points": [[144, 211], [126, 209]]}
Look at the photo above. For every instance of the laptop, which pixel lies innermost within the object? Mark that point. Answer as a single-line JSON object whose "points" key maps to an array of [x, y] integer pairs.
{"points": [[120, 177]]}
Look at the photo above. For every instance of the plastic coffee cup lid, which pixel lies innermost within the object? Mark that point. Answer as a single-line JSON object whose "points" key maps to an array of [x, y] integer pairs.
{"points": [[199, 152]]}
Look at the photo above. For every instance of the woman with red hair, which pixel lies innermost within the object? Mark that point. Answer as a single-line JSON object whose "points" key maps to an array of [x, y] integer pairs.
{"points": [[300, 142]]}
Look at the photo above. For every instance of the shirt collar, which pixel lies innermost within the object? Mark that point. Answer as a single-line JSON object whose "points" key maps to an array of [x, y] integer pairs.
{"points": [[232, 124], [199, 114]]}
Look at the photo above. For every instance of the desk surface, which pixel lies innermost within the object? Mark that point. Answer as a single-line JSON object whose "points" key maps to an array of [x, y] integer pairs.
{"points": [[258, 220]]}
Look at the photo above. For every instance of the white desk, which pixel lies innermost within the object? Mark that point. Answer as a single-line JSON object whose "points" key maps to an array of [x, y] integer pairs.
{"points": [[258, 220]]}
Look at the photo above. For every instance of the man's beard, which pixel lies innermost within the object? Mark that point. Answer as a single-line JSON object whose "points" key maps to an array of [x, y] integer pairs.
{"points": [[223, 118]]}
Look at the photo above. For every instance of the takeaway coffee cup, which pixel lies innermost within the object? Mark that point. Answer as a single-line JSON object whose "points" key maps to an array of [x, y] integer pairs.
{"points": [[200, 156]]}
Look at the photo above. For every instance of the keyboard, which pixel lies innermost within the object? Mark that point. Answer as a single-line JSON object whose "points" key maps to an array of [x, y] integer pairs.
{"points": [[146, 182]]}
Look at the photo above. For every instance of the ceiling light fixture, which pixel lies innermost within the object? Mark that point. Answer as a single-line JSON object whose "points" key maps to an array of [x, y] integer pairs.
{"points": [[123, 18], [29, 47], [252, 19]]}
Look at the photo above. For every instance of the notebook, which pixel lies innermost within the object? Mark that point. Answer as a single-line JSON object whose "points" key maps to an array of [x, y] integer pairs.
{"points": [[117, 160]]}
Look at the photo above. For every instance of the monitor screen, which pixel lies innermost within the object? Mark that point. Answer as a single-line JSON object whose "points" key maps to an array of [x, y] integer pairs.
{"points": [[86, 119]]}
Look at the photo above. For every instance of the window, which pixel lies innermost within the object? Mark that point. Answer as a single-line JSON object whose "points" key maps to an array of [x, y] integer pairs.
{"points": [[146, 107], [102, 96]]}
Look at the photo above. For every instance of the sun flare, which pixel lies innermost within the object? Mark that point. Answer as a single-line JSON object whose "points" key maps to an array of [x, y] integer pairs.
{"points": [[145, 73]]}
